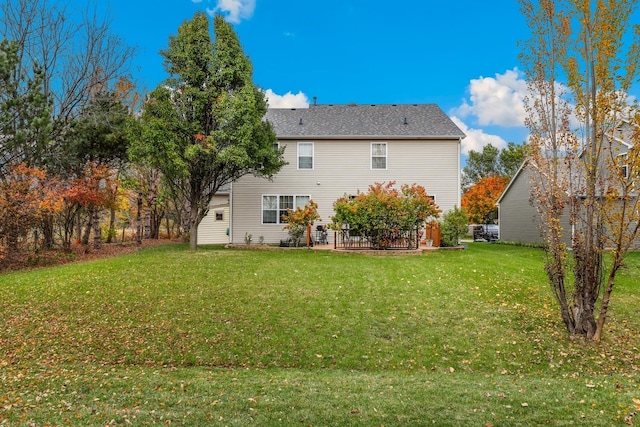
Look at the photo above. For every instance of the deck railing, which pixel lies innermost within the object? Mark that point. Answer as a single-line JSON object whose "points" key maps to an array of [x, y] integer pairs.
{"points": [[377, 239]]}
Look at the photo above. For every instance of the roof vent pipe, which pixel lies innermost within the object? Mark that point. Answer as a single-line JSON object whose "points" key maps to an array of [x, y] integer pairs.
{"points": [[315, 100], [300, 121], [405, 121]]}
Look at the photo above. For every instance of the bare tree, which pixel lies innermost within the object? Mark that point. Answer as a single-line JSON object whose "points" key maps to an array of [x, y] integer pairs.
{"points": [[579, 71], [75, 51]]}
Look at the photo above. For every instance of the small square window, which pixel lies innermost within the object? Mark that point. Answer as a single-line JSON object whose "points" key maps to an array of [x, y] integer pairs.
{"points": [[219, 215]]}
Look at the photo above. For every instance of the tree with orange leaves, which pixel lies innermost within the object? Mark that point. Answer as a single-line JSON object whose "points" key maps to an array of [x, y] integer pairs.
{"points": [[91, 191], [25, 197], [480, 200], [581, 62], [300, 220]]}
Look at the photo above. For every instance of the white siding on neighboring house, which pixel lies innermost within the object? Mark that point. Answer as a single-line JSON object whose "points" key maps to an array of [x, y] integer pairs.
{"points": [[213, 227]]}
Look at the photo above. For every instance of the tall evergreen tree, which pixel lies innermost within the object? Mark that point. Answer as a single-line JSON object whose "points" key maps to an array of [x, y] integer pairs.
{"points": [[98, 134], [24, 112], [203, 127]]}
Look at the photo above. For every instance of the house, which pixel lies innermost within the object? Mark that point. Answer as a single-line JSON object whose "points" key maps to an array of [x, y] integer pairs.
{"points": [[214, 228], [520, 220], [338, 150]]}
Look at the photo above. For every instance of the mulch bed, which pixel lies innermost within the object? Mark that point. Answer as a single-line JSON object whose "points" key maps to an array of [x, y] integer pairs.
{"points": [[78, 253]]}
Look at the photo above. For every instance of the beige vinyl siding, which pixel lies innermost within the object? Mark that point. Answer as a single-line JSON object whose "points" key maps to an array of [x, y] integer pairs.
{"points": [[344, 167], [212, 231]]}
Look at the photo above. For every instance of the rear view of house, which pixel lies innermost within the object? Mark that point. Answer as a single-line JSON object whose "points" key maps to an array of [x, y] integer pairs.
{"points": [[338, 150]]}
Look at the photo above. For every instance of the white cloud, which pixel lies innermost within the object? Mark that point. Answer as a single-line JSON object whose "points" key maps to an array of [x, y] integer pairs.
{"points": [[496, 101], [476, 138], [196, 1], [288, 100], [235, 10]]}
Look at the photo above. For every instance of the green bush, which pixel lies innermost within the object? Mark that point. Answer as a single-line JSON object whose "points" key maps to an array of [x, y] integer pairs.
{"points": [[384, 212], [454, 224]]}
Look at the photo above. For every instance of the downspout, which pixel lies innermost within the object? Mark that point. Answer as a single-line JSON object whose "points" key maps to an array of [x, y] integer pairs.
{"points": [[231, 212], [459, 172]]}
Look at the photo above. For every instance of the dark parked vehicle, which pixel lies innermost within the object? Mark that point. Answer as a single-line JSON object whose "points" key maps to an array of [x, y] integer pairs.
{"points": [[485, 233]]}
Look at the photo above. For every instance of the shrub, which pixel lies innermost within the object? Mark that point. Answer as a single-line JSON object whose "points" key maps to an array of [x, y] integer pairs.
{"points": [[384, 212], [299, 220], [454, 224]]}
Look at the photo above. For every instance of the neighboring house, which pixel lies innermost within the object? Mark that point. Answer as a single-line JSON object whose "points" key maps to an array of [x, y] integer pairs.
{"points": [[338, 150], [214, 228], [519, 219]]}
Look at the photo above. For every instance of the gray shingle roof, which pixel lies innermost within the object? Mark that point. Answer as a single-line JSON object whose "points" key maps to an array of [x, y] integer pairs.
{"points": [[419, 121]]}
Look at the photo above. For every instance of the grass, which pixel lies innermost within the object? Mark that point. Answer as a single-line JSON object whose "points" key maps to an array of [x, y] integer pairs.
{"points": [[238, 337]]}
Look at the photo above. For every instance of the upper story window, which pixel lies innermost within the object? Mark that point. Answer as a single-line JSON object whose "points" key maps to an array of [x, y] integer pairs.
{"points": [[305, 155], [378, 155], [624, 165]]}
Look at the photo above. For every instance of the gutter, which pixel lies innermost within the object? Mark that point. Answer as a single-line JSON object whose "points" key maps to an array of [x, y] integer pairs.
{"points": [[370, 137]]}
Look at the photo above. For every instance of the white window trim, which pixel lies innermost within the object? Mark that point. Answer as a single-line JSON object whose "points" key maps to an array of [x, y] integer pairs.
{"points": [[313, 156], [262, 209], [624, 165], [386, 156], [277, 196]]}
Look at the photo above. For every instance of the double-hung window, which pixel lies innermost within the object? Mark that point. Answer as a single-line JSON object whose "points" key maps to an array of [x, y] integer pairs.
{"points": [[624, 165], [378, 155], [305, 155], [274, 207], [269, 209]]}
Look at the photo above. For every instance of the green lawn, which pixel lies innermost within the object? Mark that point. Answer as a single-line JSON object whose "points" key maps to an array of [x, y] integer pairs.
{"points": [[269, 337]]}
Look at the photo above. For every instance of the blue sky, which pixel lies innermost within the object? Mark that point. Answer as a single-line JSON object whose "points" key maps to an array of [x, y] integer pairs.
{"points": [[461, 55]]}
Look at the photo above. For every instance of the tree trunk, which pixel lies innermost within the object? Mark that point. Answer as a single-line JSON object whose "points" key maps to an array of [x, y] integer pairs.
{"points": [[583, 317], [79, 225], [87, 228], [606, 298], [193, 229], [112, 225], [147, 221], [168, 225], [47, 232], [156, 222], [139, 220], [97, 238]]}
